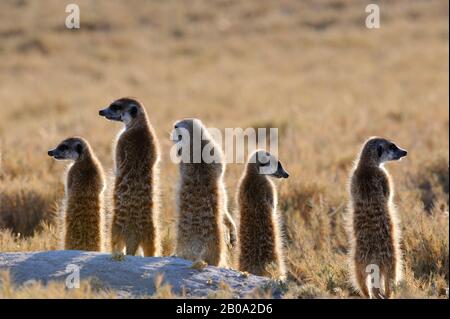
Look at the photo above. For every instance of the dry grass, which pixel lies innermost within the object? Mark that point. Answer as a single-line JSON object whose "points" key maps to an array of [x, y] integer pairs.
{"points": [[310, 68], [51, 290]]}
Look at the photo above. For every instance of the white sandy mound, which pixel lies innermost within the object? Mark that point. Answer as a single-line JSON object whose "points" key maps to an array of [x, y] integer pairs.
{"points": [[131, 277]]}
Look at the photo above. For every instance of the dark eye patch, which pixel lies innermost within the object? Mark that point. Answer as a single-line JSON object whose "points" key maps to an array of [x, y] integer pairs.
{"points": [[133, 111], [63, 147], [380, 150], [114, 107], [392, 147]]}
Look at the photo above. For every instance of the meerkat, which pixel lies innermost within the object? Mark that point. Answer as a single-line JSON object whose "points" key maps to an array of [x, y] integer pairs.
{"points": [[83, 202], [374, 233], [135, 196], [260, 240], [204, 225]]}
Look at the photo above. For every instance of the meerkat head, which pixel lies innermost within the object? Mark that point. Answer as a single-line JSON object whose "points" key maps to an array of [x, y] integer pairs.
{"points": [[186, 129], [194, 144], [124, 110], [70, 149], [182, 130], [267, 164], [379, 150]]}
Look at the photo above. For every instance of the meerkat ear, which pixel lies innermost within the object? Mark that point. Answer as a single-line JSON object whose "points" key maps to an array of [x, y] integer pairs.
{"points": [[380, 150], [133, 111], [79, 148]]}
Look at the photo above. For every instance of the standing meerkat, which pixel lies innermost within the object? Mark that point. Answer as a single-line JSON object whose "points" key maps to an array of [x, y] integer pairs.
{"points": [[83, 200], [374, 232], [205, 227], [260, 242], [135, 201]]}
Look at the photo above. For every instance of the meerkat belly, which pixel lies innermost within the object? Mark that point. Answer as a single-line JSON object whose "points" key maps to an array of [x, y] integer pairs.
{"points": [[199, 210], [373, 233], [258, 239], [198, 222], [198, 232], [133, 202], [83, 223]]}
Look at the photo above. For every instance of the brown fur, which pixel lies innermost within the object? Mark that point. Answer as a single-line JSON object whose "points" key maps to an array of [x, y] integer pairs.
{"points": [[374, 231], [260, 242], [135, 212], [83, 202], [202, 211]]}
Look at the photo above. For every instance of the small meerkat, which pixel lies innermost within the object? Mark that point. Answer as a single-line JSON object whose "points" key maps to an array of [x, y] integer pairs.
{"points": [[83, 202], [135, 199], [373, 230], [260, 242], [205, 227]]}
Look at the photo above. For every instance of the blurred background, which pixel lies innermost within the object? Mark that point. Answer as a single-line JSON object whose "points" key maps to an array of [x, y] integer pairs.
{"points": [[309, 68]]}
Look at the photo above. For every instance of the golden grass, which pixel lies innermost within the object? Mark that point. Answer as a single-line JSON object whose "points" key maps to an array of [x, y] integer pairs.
{"points": [[47, 239], [52, 290], [310, 68]]}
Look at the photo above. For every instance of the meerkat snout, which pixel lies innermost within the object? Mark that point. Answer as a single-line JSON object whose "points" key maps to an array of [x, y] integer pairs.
{"points": [[268, 164], [388, 151], [176, 134], [280, 173]]}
